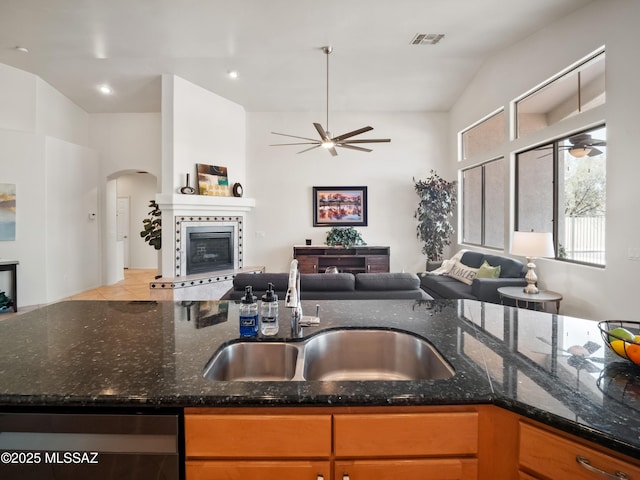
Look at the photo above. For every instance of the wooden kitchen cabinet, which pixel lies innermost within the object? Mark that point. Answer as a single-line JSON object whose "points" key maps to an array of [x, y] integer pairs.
{"points": [[331, 443], [254, 446], [381, 446], [544, 454]]}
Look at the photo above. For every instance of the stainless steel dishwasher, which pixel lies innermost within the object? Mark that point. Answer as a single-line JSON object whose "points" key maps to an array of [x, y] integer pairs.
{"points": [[65, 446]]}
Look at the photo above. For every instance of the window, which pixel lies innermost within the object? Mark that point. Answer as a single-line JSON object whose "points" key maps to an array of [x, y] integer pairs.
{"points": [[484, 136], [561, 188], [483, 192], [578, 90]]}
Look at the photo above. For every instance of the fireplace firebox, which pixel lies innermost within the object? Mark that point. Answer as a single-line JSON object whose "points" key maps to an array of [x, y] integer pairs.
{"points": [[209, 249]]}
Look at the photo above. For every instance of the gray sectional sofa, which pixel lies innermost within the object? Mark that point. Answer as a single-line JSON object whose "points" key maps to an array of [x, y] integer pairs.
{"points": [[512, 274], [333, 286]]}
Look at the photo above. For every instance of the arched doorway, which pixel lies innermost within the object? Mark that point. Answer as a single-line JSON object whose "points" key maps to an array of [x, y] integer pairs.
{"points": [[127, 198]]}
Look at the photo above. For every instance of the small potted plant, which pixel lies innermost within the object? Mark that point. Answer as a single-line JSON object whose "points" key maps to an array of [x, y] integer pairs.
{"points": [[152, 232], [346, 236]]}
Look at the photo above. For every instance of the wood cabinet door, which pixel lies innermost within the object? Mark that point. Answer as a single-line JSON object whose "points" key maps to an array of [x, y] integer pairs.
{"points": [[403, 435], [307, 264], [554, 456], [267, 470], [257, 436], [418, 469]]}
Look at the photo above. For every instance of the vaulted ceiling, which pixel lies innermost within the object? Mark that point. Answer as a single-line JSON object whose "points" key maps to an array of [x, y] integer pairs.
{"points": [[274, 45]]}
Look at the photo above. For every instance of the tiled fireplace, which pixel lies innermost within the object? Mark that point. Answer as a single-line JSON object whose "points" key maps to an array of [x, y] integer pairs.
{"points": [[206, 246]]}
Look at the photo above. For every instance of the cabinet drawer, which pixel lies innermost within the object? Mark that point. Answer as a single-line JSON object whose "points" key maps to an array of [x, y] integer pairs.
{"points": [[257, 436], [436, 469], [392, 435], [553, 456], [268, 470]]}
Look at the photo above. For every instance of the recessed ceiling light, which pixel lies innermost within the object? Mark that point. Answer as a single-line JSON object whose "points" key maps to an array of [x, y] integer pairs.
{"points": [[233, 74], [105, 89], [22, 49]]}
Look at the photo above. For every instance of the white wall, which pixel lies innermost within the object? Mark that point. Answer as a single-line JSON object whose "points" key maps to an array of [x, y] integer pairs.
{"points": [[205, 128], [42, 134], [128, 143], [281, 181], [72, 241], [589, 292]]}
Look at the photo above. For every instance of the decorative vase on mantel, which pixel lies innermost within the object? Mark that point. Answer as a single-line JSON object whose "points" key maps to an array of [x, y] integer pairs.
{"points": [[188, 189]]}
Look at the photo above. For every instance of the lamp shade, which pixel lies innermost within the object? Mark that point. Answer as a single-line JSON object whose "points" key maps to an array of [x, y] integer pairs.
{"points": [[532, 244]]}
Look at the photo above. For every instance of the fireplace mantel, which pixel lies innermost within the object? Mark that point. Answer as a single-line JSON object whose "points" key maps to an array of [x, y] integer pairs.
{"points": [[200, 203]]}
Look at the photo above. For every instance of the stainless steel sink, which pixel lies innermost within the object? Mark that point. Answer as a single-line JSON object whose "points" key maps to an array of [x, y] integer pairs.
{"points": [[372, 355], [333, 355], [251, 361]]}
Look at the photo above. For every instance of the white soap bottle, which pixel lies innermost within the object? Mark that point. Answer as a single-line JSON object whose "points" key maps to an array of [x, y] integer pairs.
{"points": [[269, 312]]}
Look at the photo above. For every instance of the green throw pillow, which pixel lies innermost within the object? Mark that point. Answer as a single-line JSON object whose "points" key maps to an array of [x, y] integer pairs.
{"points": [[487, 271]]}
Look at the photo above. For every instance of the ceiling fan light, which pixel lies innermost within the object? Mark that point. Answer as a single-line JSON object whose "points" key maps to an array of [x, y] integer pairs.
{"points": [[579, 152], [328, 144]]}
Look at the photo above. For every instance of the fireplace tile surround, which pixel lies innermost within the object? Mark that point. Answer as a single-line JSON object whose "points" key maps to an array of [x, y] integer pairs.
{"points": [[183, 211]]}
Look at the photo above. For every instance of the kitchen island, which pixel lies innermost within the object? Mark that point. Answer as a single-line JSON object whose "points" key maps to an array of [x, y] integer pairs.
{"points": [[150, 356]]}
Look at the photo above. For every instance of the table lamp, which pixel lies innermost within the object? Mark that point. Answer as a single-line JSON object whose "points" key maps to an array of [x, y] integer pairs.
{"points": [[532, 245]]}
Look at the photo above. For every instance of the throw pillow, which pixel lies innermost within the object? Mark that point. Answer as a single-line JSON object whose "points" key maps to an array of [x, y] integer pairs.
{"points": [[487, 271], [462, 273]]}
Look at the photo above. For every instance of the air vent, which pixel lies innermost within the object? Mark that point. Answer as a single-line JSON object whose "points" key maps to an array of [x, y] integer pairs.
{"points": [[427, 38]]}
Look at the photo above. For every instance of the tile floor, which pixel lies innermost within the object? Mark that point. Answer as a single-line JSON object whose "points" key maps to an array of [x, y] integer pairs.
{"points": [[135, 286]]}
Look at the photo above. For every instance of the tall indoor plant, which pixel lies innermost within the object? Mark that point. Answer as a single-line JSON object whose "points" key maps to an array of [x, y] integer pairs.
{"points": [[152, 232], [435, 214]]}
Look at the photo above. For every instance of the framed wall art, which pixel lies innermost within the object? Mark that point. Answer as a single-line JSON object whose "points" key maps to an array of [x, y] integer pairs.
{"points": [[339, 206], [213, 180], [7, 211]]}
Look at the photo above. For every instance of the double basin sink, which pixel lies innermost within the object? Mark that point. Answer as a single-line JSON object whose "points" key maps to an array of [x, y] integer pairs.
{"points": [[331, 355]]}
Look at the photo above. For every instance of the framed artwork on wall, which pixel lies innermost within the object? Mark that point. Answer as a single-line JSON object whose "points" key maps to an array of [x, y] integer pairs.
{"points": [[339, 206], [7, 211], [213, 180]]}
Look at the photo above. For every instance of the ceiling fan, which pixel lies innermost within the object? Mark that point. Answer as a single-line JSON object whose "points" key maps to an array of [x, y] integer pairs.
{"points": [[582, 145], [326, 140]]}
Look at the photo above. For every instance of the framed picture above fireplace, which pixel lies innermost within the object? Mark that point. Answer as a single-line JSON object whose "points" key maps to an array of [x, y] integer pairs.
{"points": [[339, 206]]}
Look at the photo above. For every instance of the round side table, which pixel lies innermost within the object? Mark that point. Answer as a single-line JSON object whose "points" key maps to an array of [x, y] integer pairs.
{"points": [[543, 296]]}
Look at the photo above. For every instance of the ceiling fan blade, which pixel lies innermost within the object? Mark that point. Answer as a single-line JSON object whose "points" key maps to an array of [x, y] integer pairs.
{"points": [[294, 136], [323, 134], [351, 134], [594, 152], [315, 142], [368, 140], [352, 147], [310, 148]]}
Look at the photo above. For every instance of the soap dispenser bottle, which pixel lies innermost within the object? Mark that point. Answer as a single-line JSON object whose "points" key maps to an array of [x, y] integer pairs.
{"points": [[269, 312], [249, 322]]}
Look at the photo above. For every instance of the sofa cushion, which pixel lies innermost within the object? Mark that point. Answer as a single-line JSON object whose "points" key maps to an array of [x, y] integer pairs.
{"points": [[327, 282], [442, 286], [462, 273], [487, 271], [387, 281], [509, 267], [259, 281]]}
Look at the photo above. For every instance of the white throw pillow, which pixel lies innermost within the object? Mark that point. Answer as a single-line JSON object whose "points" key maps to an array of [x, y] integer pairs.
{"points": [[461, 272]]}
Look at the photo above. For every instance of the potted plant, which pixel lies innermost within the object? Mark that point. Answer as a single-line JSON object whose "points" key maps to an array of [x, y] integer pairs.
{"points": [[345, 236], [152, 232], [434, 214]]}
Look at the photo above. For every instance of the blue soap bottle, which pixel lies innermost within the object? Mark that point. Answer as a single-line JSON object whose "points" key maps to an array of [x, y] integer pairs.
{"points": [[249, 323]]}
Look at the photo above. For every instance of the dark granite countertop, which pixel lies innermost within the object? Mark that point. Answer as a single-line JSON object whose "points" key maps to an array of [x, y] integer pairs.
{"points": [[152, 354]]}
